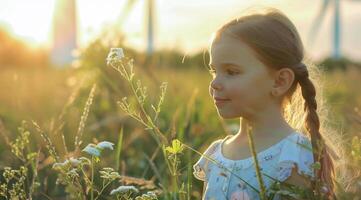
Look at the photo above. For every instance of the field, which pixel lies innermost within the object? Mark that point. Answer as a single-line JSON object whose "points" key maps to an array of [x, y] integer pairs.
{"points": [[48, 116]]}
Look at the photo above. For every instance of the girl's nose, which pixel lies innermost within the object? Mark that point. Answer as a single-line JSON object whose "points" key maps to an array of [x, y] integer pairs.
{"points": [[216, 84]]}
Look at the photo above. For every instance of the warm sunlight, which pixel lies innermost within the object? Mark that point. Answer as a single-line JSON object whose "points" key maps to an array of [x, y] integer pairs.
{"points": [[174, 24], [180, 99], [28, 20], [32, 20]]}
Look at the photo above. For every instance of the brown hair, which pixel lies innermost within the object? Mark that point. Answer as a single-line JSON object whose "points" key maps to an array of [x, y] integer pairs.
{"points": [[276, 42]]}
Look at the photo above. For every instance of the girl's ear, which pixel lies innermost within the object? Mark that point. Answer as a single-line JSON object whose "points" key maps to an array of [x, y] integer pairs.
{"points": [[283, 79]]}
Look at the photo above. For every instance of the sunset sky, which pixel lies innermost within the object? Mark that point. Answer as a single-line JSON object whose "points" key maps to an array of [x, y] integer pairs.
{"points": [[182, 24]]}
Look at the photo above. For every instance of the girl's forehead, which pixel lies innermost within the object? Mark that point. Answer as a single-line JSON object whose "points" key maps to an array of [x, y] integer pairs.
{"points": [[227, 49]]}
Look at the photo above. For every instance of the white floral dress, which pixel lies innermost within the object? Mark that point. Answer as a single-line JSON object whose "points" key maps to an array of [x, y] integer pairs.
{"points": [[276, 161]]}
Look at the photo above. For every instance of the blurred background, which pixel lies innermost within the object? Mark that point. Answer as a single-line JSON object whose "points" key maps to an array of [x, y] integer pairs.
{"points": [[53, 51]]}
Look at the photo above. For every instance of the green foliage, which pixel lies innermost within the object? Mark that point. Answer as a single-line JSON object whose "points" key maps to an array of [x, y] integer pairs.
{"points": [[21, 183], [19, 147], [184, 119], [356, 150], [331, 64], [15, 181]]}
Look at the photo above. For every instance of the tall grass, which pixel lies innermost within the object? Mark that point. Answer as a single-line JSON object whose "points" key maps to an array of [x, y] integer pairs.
{"points": [[181, 122]]}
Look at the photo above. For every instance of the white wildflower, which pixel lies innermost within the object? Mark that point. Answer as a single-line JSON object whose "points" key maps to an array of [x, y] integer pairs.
{"points": [[105, 145], [115, 54], [124, 189], [109, 173], [74, 162], [92, 149], [62, 165]]}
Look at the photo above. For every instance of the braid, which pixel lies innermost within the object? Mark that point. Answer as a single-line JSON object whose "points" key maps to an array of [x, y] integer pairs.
{"points": [[312, 125]]}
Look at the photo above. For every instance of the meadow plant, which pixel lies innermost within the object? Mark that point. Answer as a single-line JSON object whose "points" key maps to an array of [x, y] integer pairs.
{"points": [[76, 172], [124, 65], [79, 175], [21, 183], [74, 176], [83, 119]]}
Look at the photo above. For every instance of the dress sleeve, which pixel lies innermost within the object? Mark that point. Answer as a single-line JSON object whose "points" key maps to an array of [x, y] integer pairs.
{"points": [[296, 152], [201, 168]]}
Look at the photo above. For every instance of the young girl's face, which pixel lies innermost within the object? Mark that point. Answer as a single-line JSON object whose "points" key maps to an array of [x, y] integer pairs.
{"points": [[241, 83]]}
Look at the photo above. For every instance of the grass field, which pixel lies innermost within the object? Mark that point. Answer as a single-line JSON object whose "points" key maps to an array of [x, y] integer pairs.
{"points": [[59, 105]]}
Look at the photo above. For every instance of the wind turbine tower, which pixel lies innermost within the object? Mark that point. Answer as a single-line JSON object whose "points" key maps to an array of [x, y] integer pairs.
{"points": [[64, 32]]}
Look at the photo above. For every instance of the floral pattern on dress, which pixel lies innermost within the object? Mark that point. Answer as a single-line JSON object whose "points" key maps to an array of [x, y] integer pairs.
{"points": [[240, 195], [276, 162]]}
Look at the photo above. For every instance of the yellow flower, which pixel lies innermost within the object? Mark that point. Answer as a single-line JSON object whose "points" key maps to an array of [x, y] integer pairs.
{"points": [[177, 147]]}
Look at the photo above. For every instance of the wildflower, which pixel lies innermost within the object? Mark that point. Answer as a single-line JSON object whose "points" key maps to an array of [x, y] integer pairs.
{"points": [[149, 196], [109, 173], [105, 145], [62, 165], [177, 147], [74, 162], [124, 189], [73, 174], [95, 150], [115, 54], [92, 149]]}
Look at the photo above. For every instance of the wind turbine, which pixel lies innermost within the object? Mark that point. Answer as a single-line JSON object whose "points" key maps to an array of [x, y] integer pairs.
{"points": [[336, 41], [65, 29], [149, 21], [336, 52], [64, 32]]}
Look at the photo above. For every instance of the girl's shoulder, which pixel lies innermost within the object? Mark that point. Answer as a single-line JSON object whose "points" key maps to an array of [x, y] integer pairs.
{"points": [[296, 152], [212, 148], [297, 143], [201, 167]]}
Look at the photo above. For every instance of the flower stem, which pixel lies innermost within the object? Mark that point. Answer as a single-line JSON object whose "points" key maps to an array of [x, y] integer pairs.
{"points": [[101, 191], [254, 154], [92, 179]]}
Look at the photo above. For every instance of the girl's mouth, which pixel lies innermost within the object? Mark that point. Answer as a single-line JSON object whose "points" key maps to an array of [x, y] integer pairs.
{"points": [[220, 101]]}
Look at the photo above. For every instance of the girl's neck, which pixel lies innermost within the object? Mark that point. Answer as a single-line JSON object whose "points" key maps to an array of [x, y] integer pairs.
{"points": [[266, 125]]}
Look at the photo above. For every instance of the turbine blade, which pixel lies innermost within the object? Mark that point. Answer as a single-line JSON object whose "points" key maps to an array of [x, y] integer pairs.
{"points": [[125, 12], [317, 22]]}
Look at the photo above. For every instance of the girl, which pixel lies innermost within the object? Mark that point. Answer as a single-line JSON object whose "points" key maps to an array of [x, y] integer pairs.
{"points": [[257, 63]]}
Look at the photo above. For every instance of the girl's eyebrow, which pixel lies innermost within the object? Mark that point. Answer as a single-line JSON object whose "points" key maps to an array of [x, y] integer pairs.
{"points": [[223, 65]]}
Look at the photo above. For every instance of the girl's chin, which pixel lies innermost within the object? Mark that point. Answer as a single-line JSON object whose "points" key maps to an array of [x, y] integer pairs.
{"points": [[226, 115]]}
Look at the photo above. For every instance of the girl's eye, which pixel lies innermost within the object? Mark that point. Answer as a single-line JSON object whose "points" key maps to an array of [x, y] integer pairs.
{"points": [[230, 72]]}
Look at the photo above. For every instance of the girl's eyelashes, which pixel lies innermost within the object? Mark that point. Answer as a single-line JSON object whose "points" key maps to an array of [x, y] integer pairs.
{"points": [[228, 72], [231, 72]]}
